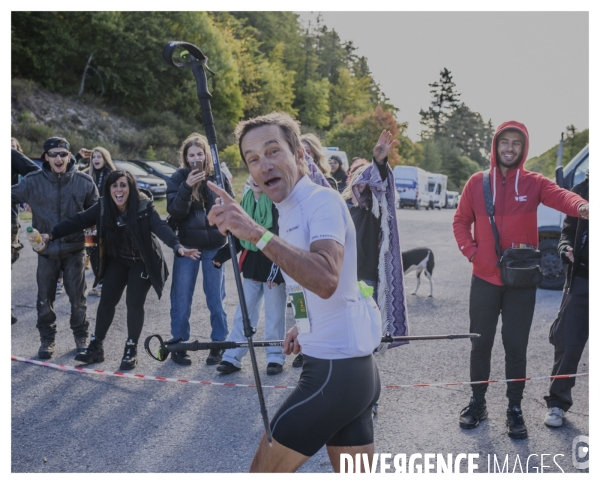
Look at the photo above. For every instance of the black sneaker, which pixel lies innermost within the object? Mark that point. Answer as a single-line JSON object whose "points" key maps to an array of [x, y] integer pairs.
{"points": [[46, 350], [515, 423], [226, 368], [214, 357], [274, 369], [129, 360], [297, 363], [13, 318], [181, 358], [472, 414], [94, 353]]}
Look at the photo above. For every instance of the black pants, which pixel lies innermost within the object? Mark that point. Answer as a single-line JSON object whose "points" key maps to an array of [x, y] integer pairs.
{"points": [[516, 305], [48, 271], [569, 334], [120, 273]]}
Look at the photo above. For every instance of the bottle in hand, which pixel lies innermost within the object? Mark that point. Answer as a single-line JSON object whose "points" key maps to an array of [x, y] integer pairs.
{"points": [[35, 239]]}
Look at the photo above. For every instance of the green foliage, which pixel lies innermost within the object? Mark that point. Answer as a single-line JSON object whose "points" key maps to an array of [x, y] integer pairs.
{"points": [[231, 155], [546, 162], [263, 62], [314, 109], [444, 101], [27, 128], [456, 141], [150, 154], [357, 135], [432, 156]]}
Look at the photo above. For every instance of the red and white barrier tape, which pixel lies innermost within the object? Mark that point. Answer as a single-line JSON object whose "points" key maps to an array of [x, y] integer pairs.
{"points": [[137, 376]]}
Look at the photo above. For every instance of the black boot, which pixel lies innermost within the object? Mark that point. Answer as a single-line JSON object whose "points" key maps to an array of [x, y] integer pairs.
{"points": [[181, 358], [214, 357], [515, 423], [472, 414], [94, 353], [46, 349], [129, 356]]}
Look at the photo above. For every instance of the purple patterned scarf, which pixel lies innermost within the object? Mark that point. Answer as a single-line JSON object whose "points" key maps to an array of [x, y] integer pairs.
{"points": [[315, 174], [369, 187]]}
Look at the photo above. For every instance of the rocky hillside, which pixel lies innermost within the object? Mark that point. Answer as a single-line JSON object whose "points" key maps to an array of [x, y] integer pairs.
{"points": [[37, 114]]}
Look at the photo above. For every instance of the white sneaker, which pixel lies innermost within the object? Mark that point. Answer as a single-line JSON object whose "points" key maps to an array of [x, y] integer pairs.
{"points": [[59, 288], [96, 291], [554, 417]]}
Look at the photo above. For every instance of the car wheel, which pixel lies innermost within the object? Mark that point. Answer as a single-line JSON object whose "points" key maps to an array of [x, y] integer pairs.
{"points": [[553, 270]]}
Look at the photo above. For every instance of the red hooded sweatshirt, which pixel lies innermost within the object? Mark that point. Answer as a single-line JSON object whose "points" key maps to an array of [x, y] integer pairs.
{"points": [[516, 198]]}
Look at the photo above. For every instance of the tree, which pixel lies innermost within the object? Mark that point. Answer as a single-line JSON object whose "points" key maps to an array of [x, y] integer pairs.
{"points": [[468, 132], [314, 110], [357, 135], [444, 101]]}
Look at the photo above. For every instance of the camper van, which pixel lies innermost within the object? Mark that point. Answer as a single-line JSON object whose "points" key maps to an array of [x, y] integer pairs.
{"points": [[412, 185], [437, 190]]}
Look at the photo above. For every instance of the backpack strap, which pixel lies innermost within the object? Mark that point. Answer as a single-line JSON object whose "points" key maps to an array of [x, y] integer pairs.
{"points": [[489, 207]]}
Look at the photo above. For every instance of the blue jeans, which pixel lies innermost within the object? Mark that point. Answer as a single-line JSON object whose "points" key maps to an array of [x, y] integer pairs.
{"points": [[185, 273], [275, 301]]}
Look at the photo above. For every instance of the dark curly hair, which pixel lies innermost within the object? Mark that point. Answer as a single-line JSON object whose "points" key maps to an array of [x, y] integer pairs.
{"points": [[109, 221]]}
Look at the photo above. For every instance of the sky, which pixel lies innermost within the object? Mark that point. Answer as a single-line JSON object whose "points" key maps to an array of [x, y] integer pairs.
{"points": [[528, 66]]}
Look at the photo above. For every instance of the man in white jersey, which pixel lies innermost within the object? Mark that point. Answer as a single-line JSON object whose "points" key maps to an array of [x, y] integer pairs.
{"points": [[316, 250]]}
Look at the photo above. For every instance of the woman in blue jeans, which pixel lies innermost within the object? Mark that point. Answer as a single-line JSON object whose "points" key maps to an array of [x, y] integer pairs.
{"points": [[188, 203]]}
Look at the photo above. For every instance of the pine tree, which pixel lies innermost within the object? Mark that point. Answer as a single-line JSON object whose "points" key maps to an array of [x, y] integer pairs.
{"points": [[444, 101]]}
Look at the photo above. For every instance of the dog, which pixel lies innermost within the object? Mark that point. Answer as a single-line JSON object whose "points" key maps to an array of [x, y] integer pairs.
{"points": [[419, 260]]}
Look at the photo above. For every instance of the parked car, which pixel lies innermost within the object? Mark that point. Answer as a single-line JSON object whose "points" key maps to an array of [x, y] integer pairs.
{"points": [[161, 169], [156, 185], [451, 199], [550, 221]]}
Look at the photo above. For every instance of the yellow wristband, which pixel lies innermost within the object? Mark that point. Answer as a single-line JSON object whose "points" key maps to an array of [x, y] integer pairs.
{"points": [[264, 240]]}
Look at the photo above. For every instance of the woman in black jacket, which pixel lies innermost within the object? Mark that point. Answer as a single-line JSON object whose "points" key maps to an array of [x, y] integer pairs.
{"points": [[338, 172], [129, 255], [188, 202]]}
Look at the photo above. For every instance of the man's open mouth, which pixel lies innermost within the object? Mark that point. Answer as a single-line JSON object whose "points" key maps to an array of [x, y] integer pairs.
{"points": [[272, 181]]}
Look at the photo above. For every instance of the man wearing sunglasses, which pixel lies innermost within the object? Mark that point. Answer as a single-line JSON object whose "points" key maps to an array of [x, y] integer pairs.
{"points": [[54, 193]]}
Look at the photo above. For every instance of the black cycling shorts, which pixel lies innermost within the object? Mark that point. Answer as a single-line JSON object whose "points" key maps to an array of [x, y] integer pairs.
{"points": [[331, 405]]}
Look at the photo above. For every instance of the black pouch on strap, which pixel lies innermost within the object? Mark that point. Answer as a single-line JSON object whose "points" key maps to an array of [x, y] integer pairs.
{"points": [[519, 267]]}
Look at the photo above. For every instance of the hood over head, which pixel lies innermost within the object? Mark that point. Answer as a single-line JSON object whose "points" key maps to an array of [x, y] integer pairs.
{"points": [[503, 127]]}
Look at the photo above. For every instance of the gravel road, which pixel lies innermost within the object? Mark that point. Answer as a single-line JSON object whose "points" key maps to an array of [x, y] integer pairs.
{"points": [[71, 422]]}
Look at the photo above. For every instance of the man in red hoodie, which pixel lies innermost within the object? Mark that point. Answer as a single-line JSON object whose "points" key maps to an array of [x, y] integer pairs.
{"points": [[516, 194]]}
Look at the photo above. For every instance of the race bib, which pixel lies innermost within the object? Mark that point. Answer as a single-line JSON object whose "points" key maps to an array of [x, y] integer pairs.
{"points": [[298, 300]]}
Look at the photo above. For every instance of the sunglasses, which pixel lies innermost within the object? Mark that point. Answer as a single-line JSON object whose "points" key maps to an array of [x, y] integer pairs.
{"points": [[62, 154]]}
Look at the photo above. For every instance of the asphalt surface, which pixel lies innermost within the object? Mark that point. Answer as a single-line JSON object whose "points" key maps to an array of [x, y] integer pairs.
{"points": [[71, 422]]}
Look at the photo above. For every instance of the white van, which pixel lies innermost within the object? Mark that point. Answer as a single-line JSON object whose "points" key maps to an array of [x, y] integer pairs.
{"points": [[412, 185], [451, 199], [437, 190]]}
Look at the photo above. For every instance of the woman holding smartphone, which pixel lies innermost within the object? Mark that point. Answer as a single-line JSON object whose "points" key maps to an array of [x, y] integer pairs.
{"points": [[188, 202]]}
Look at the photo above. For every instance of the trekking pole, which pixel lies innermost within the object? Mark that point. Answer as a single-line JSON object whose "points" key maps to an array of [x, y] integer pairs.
{"points": [[165, 348], [194, 58]]}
